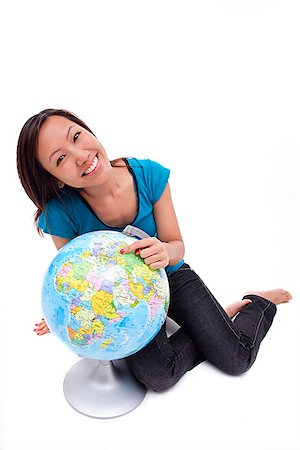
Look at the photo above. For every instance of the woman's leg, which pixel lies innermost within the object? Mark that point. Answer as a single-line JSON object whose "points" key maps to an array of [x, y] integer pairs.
{"points": [[231, 346], [206, 332], [165, 360]]}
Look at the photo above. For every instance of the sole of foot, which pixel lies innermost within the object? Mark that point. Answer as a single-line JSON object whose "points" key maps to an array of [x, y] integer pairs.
{"points": [[276, 296]]}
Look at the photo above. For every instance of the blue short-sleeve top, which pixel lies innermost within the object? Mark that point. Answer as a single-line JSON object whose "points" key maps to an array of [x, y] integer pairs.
{"points": [[71, 215]]}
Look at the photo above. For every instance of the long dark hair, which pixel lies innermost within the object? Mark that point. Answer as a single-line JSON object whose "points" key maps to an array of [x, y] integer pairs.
{"points": [[39, 185]]}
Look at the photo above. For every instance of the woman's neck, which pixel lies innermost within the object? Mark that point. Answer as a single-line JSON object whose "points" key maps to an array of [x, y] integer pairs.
{"points": [[108, 190]]}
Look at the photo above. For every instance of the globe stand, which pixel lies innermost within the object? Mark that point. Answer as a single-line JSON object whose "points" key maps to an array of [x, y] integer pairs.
{"points": [[102, 389]]}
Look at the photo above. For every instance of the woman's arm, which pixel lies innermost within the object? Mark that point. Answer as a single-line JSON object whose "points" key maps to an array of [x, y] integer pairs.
{"points": [[168, 248], [167, 227], [42, 327], [59, 242]]}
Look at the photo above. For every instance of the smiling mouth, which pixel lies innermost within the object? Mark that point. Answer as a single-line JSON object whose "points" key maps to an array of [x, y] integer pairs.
{"points": [[92, 166]]}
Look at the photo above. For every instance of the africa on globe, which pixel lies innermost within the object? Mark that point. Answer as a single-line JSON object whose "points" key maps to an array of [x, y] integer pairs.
{"points": [[102, 304]]}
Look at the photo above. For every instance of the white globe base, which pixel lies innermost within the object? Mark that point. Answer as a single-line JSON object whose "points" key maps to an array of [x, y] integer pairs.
{"points": [[102, 389]]}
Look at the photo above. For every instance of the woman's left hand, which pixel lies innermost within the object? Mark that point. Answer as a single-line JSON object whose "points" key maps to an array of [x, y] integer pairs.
{"points": [[41, 328], [152, 250]]}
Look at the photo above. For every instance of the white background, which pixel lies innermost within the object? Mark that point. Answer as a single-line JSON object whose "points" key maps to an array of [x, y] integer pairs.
{"points": [[210, 89]]}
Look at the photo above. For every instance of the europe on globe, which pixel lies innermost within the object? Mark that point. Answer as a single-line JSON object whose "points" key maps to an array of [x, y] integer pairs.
{"points": [[103, 304]]}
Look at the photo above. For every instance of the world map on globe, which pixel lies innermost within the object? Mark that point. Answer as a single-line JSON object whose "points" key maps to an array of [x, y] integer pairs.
{"points": [[103, 304]]}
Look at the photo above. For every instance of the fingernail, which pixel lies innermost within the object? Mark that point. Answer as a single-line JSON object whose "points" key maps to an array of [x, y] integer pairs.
{"points": [[138, 251], [122, 250], [34, 329]]}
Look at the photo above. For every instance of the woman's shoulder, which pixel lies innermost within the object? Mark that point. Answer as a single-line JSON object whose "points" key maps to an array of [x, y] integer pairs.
{"points": [[66, 197], [146, 163], [133, 161], [151, 175], [58, 218]]}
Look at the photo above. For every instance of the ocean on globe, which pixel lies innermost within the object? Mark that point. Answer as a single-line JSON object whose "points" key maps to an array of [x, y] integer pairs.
{"points": [[100, 303]]}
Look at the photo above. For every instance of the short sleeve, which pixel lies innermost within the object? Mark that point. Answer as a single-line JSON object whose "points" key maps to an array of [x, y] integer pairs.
{"points": [[57, 220], [158, 177]]}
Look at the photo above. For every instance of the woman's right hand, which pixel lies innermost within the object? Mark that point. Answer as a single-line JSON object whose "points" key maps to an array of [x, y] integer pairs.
{"points": [[41, 328]]}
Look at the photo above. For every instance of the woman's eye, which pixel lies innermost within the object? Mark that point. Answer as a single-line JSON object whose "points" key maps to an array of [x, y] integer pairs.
{"points": [[60, 159], [76, 136]]}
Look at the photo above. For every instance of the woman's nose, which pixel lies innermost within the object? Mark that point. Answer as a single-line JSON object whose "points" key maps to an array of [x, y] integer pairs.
{"points": [[81, 157]]}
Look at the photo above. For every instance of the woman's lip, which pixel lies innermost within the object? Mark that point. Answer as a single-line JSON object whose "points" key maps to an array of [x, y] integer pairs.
{"points": [[96, 168]]}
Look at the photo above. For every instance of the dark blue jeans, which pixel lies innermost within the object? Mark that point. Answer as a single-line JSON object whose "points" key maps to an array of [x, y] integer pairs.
{"points": [[206, 332]]}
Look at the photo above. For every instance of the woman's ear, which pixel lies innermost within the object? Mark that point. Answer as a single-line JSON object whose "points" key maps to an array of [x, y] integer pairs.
{"points": [[60, 184]]}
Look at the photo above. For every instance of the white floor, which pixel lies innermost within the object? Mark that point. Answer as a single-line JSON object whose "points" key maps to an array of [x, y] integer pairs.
{"points": [[206, 409], [211, 90]]}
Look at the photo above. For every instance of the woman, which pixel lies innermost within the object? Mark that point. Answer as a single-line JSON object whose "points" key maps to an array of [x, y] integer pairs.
{"points": [[65, 171]]}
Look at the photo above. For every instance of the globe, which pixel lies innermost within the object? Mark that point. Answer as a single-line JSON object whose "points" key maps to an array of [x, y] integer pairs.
{"points": [[102, 304]]}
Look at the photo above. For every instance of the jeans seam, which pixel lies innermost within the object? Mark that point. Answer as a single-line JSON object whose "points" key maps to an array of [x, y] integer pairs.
{"points": [[183, 349], [220, 310], [162, 351], [222, 315], [259, 324]]}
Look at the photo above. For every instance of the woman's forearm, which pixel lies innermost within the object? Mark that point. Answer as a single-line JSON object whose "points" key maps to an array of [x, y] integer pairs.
{"points": [[175, 250]]}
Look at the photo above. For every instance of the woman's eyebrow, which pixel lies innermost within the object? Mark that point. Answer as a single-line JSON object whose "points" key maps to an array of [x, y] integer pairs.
{"points": [[57, 150], [69, 130], [53, 153]]}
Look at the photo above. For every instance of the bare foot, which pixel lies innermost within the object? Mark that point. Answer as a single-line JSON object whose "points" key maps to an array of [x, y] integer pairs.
{"points": [[235, 307], [275, 295]]}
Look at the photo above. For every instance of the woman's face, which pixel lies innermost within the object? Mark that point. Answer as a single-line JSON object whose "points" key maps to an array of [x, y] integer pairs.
{"points": [[71, 153]]}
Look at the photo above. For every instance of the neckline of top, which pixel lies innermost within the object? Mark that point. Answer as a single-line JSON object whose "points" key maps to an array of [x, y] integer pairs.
{"points": [[136, 189]]}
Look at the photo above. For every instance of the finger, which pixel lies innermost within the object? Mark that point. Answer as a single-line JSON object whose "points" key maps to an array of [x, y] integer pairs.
{"points": [[152, 251], [40, 330], [41, 321], [40, 325], [135, 246], [158, 265], [43, 331], [142, 243], [154, 258]]}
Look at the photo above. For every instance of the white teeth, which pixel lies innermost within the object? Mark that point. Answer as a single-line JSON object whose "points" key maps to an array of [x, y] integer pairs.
{"points": [[92, 166]]}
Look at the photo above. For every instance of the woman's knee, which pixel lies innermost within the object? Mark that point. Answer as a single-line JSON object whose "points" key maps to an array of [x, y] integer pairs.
{"points": [[237, 367]]}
